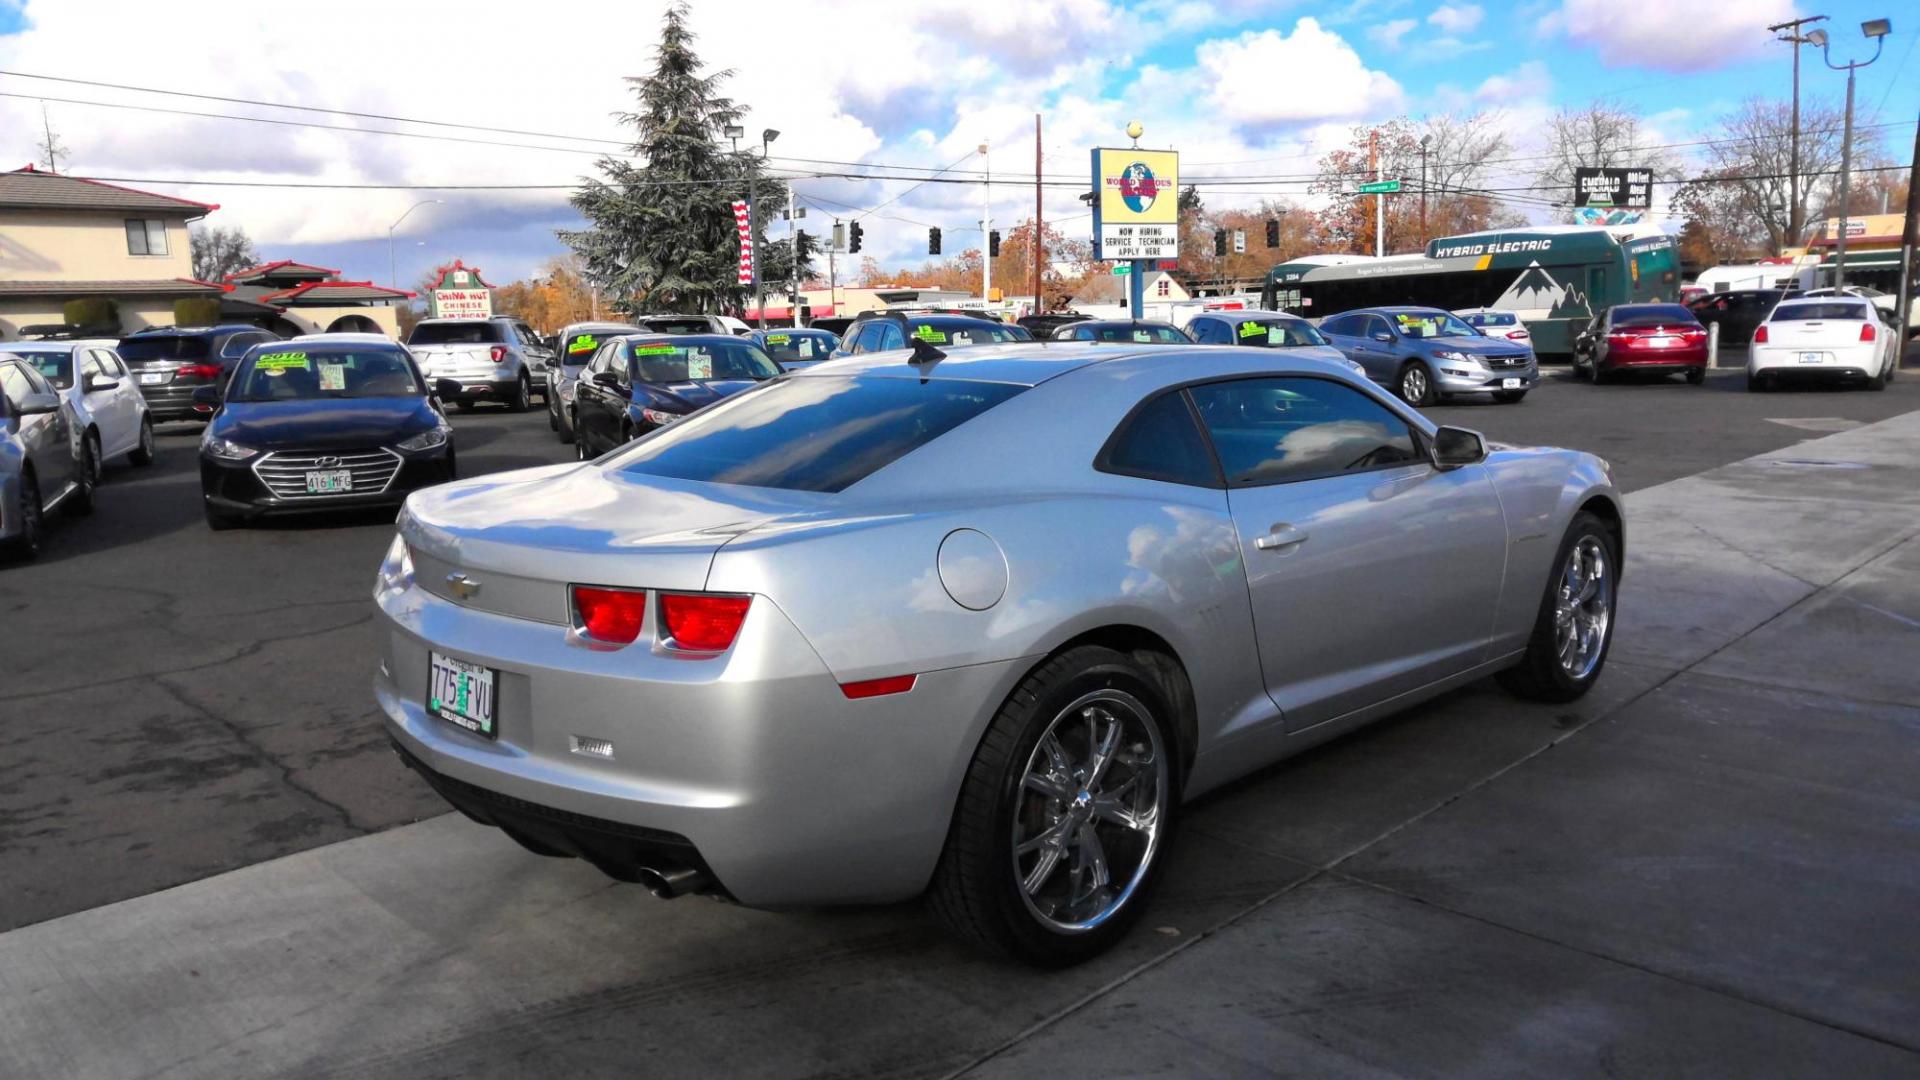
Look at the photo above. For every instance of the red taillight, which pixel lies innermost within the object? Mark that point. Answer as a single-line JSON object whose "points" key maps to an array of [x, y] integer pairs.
{"points": [[866, 688], [198, 371], [1518, 335], [702, 622], [1760, 335], [611, 616], [499, 354], [1866, 331]]}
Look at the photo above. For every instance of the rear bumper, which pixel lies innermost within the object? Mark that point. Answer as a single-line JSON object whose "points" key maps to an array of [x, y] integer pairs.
{"points": [[1668, 360], [1840, 364], [170, 402], [751, 766], [485, 389]]}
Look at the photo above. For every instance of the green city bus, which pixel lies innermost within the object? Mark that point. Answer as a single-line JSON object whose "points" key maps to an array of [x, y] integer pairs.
{"points": [[1554, 277]]}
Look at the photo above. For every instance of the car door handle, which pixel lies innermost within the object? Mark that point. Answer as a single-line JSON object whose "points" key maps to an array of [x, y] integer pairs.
{"points": [[1282, 536]]}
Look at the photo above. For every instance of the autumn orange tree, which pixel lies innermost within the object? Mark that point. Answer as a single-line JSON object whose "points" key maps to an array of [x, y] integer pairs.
{"points": [[551, 300], [1459, 150]]}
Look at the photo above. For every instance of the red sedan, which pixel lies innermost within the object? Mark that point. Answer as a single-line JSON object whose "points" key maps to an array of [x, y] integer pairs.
{"points": [[1655, 338]]}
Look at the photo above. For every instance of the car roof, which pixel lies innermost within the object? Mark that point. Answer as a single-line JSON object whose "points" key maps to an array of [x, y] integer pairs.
{"points": [[466, 318], [1125, 322], [1831, 298], [1022, 363], [684, 339], [1240, 316], [190, 331], [599, 325], [355, 336]]}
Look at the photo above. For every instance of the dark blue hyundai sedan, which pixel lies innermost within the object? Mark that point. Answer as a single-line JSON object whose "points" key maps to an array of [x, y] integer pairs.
{"points": [[643, 382], [321, 423]]}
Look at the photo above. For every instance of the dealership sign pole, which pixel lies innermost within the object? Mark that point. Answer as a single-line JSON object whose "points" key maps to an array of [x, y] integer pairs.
{"points": [[1136, 210]]}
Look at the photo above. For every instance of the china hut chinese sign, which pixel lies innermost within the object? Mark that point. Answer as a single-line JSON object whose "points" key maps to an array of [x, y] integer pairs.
{"points": [[460, 294]]}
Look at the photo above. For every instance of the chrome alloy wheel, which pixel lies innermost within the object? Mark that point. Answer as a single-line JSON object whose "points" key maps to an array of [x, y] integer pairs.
{"points": [[1583, 608], [1087, 824]]}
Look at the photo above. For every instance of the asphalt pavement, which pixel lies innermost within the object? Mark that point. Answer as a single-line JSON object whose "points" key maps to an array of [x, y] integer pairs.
{"points": [[1705, 867]]}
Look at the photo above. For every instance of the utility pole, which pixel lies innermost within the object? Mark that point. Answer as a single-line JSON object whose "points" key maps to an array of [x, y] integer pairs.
{"points": [[1909, 241], [986, 226], [1379, 200], [793, 253], [1796, 212], [1424, 140], [1039, 230]]}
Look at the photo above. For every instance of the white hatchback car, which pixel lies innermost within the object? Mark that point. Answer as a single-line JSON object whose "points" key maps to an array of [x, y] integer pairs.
{"points": [[93, 379], [1828, 338]]}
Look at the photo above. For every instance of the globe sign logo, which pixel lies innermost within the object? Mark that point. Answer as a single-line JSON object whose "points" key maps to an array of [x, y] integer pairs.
{"points": [[1138, 188]]}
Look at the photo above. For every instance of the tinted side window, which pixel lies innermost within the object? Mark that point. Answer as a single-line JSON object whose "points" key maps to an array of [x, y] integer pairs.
{"points": [[1160, 441], [1270, 431], [888, 336], [13, 383], [1344, 325]]}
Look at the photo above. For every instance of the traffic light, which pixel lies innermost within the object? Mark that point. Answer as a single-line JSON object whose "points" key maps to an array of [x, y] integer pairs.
{"points": [[1273, 233], [853, 245], [993, 244], [1220, 242], [933, 241]]}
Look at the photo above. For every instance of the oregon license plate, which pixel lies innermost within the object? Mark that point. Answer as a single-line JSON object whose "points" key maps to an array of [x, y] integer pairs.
{"points": [[1510, 384], [1813, 358], [462, 694], [152, 378], [329, 482]]}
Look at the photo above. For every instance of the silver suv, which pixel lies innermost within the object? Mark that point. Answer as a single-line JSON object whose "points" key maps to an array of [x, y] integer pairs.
{"points": [[499, 359], [41, 462]]}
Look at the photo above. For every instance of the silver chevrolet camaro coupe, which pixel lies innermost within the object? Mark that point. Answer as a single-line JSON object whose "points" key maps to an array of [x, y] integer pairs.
{"points": [[972, 625]]}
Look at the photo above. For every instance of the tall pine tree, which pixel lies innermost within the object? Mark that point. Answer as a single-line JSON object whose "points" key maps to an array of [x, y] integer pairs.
{"points": [[660, 234]]}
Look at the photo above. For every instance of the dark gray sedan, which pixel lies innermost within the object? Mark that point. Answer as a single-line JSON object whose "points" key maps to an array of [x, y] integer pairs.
{"points": [[573, 348], [40, 466]]}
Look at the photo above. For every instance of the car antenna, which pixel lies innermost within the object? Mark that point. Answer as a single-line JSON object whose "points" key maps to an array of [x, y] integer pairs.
{"points": [[924, 352]]}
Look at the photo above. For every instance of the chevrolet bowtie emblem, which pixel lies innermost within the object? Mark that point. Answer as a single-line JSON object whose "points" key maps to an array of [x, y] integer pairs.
{"points": [[462, 586]]}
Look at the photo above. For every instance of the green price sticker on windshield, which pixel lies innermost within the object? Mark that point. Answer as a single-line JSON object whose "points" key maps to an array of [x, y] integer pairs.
{"points": [[583, 343], [281, 361], [778, 339], [655, 350], [929, 335], [1253, 329]]}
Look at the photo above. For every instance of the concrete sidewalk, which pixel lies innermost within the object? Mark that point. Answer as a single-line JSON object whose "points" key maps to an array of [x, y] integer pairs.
{"points": [[1706, 867]]}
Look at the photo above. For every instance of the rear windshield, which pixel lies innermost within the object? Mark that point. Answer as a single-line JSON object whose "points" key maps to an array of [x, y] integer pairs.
{"points": [[1839, 309], [578, 348], [457, 333], [141, 350], [56, 366], [669, 362], [819, 433], [1430, 324], [1145, 335], [1494, 318], [687, 325], [1278, 334], [273, 373], [1652, 315]]}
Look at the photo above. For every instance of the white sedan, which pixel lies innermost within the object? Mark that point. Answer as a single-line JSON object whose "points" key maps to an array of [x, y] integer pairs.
{"points": [[1829, 338]]}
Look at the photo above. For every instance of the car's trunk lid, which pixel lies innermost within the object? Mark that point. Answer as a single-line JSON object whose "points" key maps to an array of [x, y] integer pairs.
{"points": [[514, 541]]}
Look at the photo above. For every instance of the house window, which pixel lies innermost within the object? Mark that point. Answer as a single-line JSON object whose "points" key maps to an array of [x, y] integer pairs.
{"points": [[146, 236], [1163, 288]]}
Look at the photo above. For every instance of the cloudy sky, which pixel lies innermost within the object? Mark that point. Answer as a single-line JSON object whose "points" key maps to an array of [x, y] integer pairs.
{"points": [[1244, 88]]}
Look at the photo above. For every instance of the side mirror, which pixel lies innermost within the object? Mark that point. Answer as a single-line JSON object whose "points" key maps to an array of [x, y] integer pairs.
{"points": [[1383, 336], [96, 384], [446, 388], [1454, 447], [206, 395], [606, 378], [37, 404]]}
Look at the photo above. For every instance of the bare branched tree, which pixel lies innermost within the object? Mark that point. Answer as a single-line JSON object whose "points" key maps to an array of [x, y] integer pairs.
{"points": [[1602, 135]]}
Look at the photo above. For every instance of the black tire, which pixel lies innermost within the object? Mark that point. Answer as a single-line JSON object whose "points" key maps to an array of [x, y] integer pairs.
{"points": [[582, 451], [1540, 675], [553, 414], [1581, 371], [1421, 395], [96, 468], [220, 522], [142, 454], [567, 431], [1880, 381], [79, 503], [463, 405], [26, 545], [1509, 397], [522, 394], [1696, 376], [977, 890]]}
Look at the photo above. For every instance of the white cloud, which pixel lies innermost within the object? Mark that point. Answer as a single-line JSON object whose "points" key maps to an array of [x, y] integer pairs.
{"points": [[1456, 18], [1529, 80], [1706, 36], [1387, 35], [1324, 78]]}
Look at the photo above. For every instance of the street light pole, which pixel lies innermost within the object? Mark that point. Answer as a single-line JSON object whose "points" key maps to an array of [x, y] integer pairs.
{"points": [[986, 227], [1795, 210], [1877, 29], [393, 265]]}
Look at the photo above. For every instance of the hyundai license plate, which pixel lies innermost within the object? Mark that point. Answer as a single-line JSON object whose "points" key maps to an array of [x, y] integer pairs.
{"points": [[1661, 342], [152, 378], [462, 694], [1813, 358], [330, 482], [1510, 384]]}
